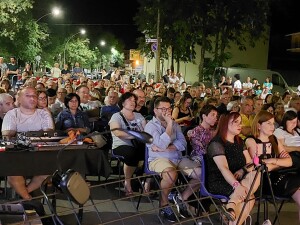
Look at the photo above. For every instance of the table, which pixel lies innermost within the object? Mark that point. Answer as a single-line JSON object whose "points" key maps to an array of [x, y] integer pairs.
{"points": [[31, 163]]}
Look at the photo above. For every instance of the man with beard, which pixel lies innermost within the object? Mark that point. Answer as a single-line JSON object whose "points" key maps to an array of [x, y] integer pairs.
{"points": [[140, 104], [165, 158]]}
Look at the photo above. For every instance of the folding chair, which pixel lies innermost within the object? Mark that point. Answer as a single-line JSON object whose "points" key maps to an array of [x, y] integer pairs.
{"points": [[119, 159], [148, 173], [204, 192]]}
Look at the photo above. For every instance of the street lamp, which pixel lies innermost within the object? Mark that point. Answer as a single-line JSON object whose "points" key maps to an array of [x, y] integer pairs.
{"points": [[102, 43], [82, 31], [55, 12]]}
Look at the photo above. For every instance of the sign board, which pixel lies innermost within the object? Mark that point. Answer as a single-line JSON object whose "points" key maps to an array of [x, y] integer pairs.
{"points": [[154, 47], [134, 54], [149, 40]]}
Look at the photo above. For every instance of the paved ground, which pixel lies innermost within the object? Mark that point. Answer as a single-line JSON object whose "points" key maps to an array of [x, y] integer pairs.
{"points": [[114, 209]]}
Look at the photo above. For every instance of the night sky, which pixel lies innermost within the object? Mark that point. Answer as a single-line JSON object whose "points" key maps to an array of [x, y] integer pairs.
{"points": [[116, 16], [112, 16]]}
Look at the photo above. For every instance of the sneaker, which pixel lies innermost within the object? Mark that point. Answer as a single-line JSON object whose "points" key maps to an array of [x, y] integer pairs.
{"points": [[181, 207], [171, 197], [168, 213]]}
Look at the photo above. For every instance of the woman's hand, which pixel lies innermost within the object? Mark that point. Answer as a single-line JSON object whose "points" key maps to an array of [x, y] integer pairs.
{"points": [[270, 161], [241, 192], [239, 174]]}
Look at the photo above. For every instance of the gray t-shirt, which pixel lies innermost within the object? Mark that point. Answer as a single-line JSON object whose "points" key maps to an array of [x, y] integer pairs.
{"points": [[136, 124], [15, 120]]}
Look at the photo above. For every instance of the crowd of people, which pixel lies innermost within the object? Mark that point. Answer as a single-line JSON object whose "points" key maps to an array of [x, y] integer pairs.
{"points": [[224, 125]]}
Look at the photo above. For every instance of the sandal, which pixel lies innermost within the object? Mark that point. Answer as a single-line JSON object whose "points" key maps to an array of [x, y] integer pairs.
{"points": [[228, 213]]}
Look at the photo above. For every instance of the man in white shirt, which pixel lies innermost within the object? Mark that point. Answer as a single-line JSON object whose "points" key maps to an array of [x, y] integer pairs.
{"points": [[26, 118], [85, 102], [55, 71]]}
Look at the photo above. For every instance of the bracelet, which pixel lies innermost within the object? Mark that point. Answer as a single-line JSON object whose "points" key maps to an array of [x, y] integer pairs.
{"points": [[235, 184], [244, 170]]}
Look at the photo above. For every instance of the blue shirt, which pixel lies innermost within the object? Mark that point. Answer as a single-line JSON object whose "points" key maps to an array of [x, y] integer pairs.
{"points": [[66, 120], [162, 140]]}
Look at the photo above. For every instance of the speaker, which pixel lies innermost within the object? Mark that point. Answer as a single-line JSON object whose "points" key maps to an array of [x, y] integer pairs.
{"points": [[73, 185]]}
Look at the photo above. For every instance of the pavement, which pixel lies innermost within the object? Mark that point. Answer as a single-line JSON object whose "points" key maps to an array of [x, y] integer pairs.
{"points": [[109, 206]]}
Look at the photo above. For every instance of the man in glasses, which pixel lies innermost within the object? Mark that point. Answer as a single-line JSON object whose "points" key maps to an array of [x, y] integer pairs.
{"points": [[165, 158]]}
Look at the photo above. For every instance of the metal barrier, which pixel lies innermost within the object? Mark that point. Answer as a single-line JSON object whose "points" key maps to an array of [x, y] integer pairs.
{"points": [[106, 207]]}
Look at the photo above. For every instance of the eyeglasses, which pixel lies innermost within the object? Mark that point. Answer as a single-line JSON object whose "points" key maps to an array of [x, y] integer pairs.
{"points": [[42, 98], [165, 109]]}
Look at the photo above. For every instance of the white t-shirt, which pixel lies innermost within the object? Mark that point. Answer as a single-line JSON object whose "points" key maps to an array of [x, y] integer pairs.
{"points": [[173, 80], [237, 84], [289, 139], [247, 85], [56, 72], [15, 120]]}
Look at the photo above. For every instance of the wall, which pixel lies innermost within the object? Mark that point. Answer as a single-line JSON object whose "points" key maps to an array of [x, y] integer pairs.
{"points": [[256, 57]]}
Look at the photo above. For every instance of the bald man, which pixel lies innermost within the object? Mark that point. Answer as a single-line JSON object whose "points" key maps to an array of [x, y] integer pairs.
{"points": [[140, 104], [26, 118]]}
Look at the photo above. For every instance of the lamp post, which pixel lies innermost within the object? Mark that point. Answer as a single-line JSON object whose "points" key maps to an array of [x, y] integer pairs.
{"points": [[102, 44], [82, 31], [55, 12]]}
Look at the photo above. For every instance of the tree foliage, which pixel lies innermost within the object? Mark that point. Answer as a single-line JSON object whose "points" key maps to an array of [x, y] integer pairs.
{"points": [[12, 12], [212, 24]]}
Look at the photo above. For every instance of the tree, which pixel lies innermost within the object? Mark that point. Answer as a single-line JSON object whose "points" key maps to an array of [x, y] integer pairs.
{"points": [[212, 24], [175, 32], [11, 12]]}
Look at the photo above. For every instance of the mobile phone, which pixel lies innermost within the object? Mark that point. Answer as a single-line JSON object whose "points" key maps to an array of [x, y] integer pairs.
{"points": [[264, 149]]}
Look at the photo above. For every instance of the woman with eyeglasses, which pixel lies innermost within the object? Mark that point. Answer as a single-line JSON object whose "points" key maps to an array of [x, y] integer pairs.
{"points": [[125, 145], [229, 168], [42, 102]]}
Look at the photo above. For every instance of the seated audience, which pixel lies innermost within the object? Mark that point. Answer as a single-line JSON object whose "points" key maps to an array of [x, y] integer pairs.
{"points": [[140, 105], [288, 134], [83, 92], [6, 104], [165, 158], [26, 118], [229, 168], [182, 113], [201, 135], [275, 157], [72, 116], [110, 108], [123, 144]]}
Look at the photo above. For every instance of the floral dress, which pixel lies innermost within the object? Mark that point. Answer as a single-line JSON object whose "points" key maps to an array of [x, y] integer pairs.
{"points": [[200, 138]]}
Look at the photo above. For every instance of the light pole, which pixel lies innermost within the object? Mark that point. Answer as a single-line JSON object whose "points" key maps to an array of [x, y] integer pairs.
{"points": [[102, 44], [82, 31], [55, 12]]}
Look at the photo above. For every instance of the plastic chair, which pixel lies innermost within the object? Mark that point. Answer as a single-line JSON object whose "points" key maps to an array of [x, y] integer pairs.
{"points": [[147, 173], [204, 192], [119, 159]]}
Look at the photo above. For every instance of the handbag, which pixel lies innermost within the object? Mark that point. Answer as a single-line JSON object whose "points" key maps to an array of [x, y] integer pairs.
{"points": [[99, 140], [134, 142]]}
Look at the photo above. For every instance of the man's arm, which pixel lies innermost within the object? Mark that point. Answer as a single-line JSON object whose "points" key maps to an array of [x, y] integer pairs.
{"points": [[8, 134], [162, 140]]}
